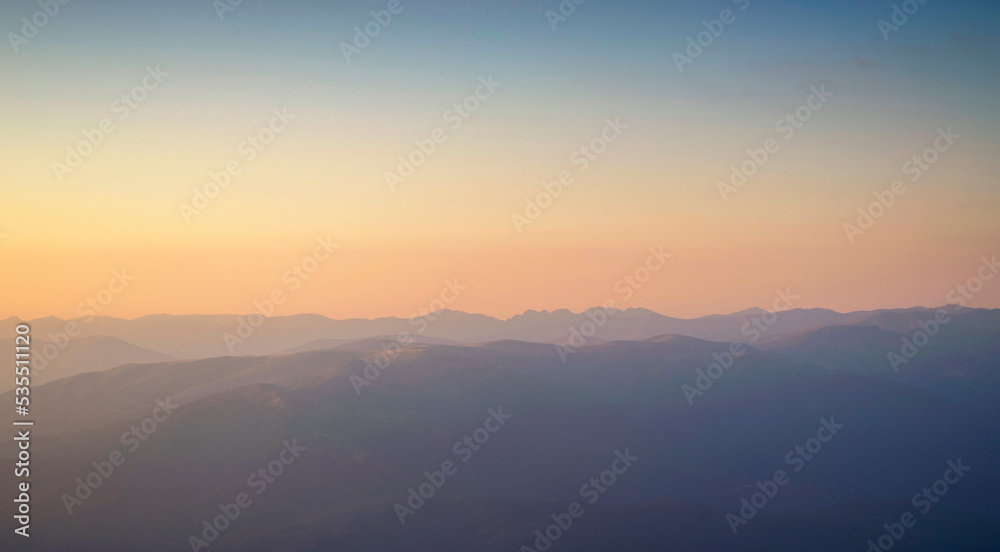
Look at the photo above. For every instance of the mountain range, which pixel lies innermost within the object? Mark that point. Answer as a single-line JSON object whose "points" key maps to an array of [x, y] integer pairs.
{"points": [[708, 419], [202, 336]]}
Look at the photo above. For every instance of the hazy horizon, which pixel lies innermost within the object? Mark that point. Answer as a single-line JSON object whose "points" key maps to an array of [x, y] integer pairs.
{"points": [[502, 318]]}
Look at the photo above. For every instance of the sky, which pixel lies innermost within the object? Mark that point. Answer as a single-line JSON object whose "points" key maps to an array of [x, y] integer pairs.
{"points": [[662, 123]]}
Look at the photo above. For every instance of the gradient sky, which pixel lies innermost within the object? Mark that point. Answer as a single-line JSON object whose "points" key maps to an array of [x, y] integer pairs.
{"points": [[655, 186]]}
